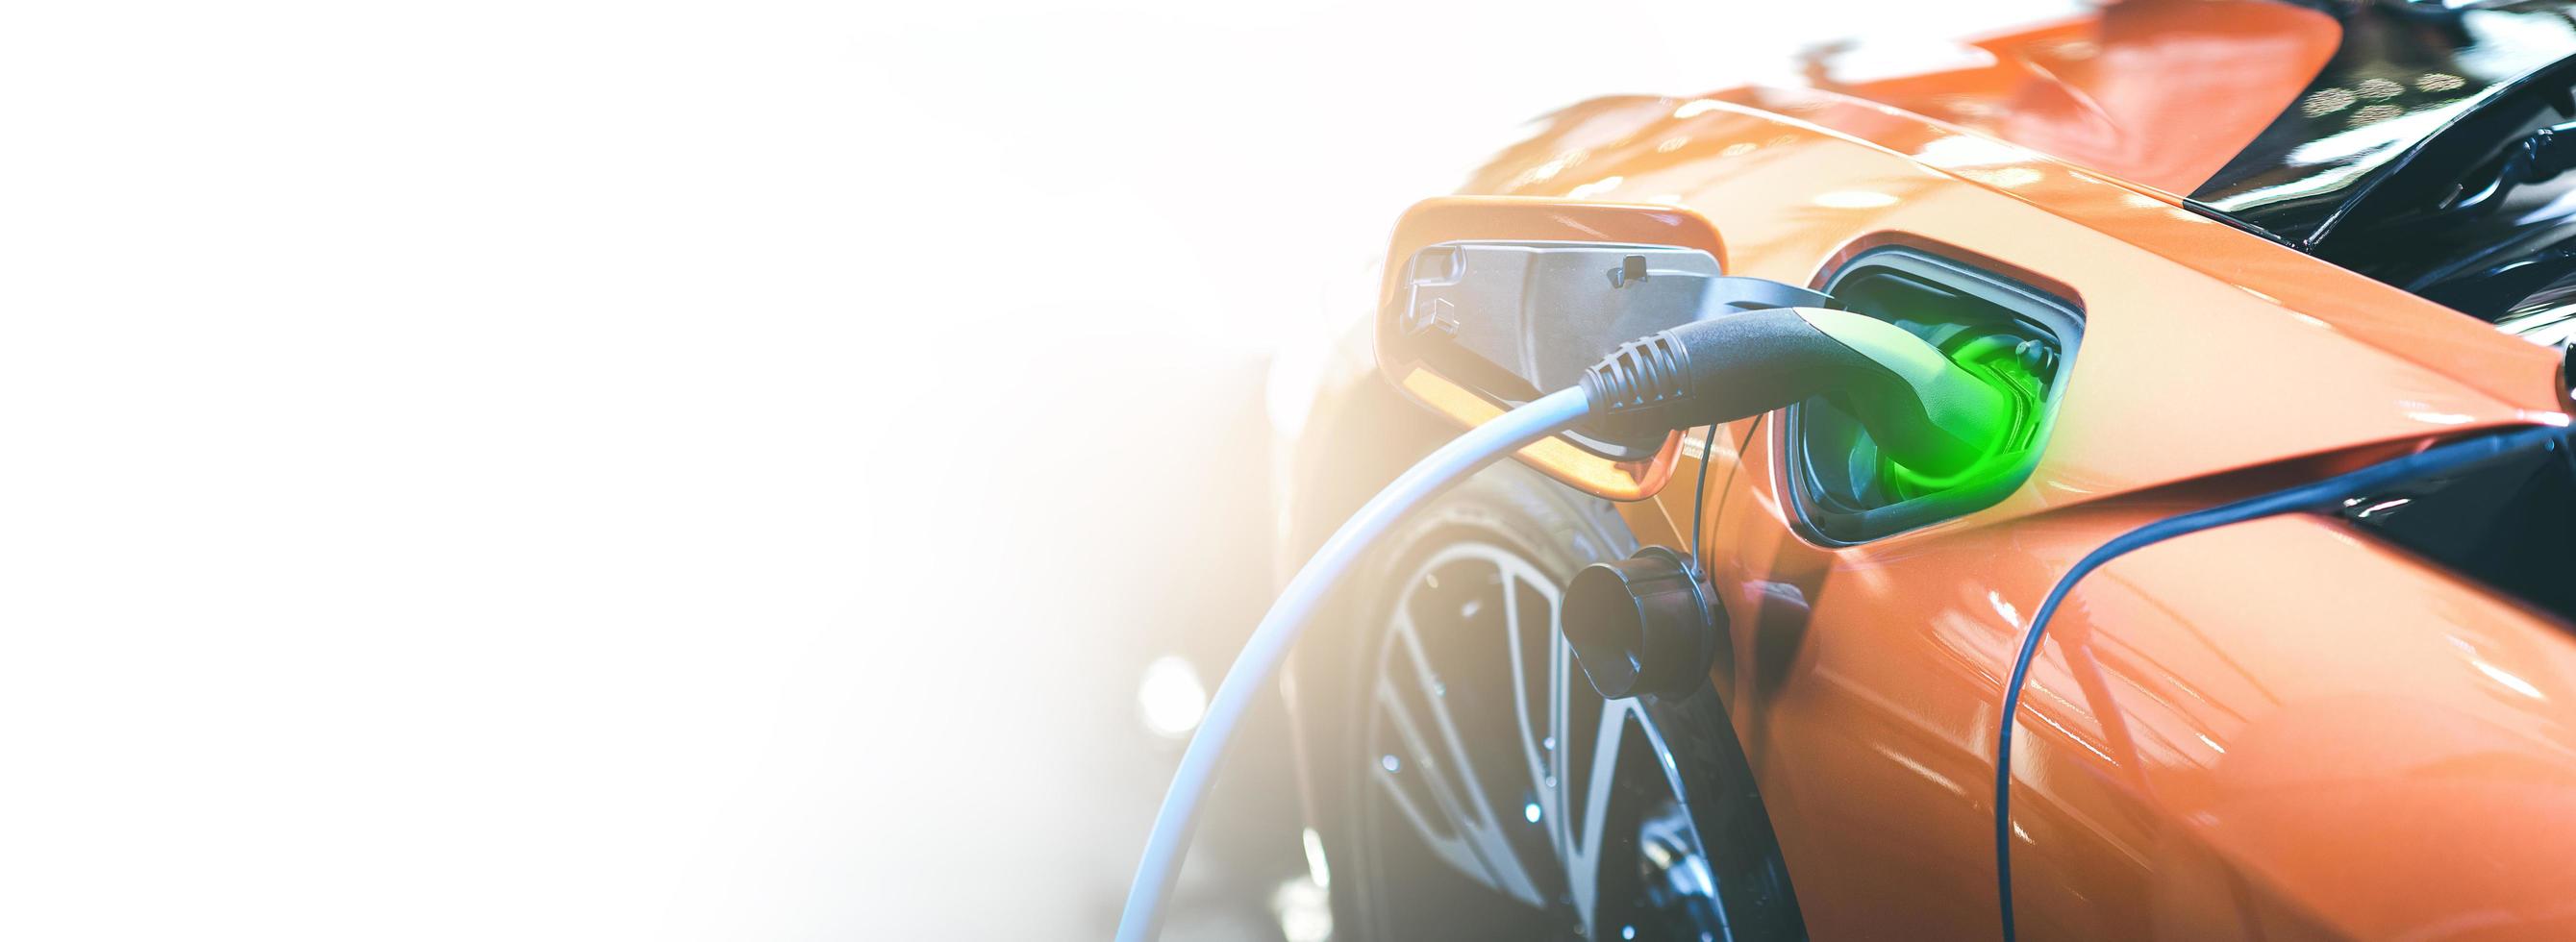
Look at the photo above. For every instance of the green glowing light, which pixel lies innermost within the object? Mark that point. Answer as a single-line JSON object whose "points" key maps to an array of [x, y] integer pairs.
{"points": [[1994, 360]]}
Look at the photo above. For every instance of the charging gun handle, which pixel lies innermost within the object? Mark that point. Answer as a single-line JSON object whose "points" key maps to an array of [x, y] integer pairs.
{"points": [[1924, 411]]}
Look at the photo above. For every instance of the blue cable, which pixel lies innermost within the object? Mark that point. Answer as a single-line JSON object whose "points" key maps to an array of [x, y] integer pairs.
{"points": [[2315, 495], [1290, 616]]}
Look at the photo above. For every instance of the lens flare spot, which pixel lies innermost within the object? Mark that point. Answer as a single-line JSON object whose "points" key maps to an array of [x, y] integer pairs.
{"points": [[1171, 697]]}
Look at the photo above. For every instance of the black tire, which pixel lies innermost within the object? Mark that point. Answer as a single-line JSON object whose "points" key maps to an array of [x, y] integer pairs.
{"points": [[1396, 872]]}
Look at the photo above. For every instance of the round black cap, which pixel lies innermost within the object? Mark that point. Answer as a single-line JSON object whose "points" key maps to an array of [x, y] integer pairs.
{"points": [[1643, 625]]}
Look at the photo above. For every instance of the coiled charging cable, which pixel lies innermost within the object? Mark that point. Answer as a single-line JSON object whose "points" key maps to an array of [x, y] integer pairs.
{"points": [[2316, 495]]}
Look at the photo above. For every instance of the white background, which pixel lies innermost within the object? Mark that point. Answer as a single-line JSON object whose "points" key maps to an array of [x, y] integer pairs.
{"points": [[553, 470]]}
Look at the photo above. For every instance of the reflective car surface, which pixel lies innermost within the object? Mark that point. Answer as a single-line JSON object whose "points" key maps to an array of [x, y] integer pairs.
{"points": [[2315, 726]]}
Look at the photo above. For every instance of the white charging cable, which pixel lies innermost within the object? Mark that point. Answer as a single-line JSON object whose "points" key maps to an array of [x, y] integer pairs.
{"points": [[1290, 616]]}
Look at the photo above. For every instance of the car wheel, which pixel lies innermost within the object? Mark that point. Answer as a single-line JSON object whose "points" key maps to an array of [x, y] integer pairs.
{"points": [[1482, 790]]}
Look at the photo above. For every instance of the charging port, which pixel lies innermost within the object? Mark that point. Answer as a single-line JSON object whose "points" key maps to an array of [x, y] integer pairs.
{"points": [[2018, 339]]}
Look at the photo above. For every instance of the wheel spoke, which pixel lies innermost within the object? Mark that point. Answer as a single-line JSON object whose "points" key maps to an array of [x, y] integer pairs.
{"points": [[1539, 741], [1448, 837], [1474, 816], [1588, 774], [1583, 867]]}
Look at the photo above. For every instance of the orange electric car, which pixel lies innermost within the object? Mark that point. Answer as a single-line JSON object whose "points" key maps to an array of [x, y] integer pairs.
{"points": [[2211, 249]]}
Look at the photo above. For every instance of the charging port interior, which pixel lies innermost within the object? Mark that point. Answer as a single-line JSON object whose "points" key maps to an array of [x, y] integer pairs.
{"points": [[2018, 339]]}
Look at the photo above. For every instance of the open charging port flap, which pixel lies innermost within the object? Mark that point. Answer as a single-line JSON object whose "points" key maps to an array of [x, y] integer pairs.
{"points": [[1509, 320]]}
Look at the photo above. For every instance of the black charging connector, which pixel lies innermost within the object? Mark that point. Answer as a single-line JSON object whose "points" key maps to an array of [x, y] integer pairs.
{"points": [[1925, 411], [1648, 624]]}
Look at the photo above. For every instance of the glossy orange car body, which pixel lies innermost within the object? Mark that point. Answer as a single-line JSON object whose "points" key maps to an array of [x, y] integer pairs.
{"points": [[2276, 730]]}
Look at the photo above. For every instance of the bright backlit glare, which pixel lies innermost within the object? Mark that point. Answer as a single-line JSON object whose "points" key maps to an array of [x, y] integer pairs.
{"points": [[1316, 867], [1171, 697], [1304, 909], [500, 471]]}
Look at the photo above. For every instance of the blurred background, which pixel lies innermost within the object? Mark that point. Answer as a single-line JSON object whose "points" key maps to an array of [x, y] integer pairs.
{"points": [[667, 470]]}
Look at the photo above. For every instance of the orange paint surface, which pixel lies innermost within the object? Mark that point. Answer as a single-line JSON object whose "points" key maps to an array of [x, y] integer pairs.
{"points": [[2278, 730], [2158, 93]]}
